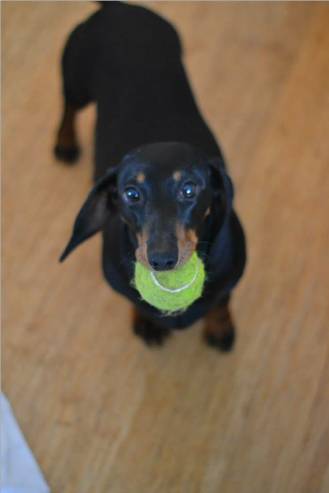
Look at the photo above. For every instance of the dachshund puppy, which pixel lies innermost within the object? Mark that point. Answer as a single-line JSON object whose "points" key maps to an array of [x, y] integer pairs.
{"points": [[162, 189]]}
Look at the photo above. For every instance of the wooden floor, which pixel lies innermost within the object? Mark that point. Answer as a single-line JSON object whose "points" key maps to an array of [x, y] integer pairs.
{"points": [[102, 412]]}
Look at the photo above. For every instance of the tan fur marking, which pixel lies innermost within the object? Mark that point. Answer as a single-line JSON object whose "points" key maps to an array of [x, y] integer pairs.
{"points": [[218, 322], [207, 212], [187, 241], [140, 177], [192, 237], [177, 175], [141, 250]]}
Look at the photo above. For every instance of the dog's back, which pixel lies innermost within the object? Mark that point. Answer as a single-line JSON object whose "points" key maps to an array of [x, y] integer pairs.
{"points": [[128, 60]]}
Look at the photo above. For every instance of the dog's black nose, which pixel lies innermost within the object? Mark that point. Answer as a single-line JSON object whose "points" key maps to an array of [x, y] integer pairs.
{"points": [[163, 261]]}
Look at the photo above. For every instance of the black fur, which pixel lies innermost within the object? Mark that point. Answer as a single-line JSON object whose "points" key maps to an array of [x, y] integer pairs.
{"points": [[127, 60]]}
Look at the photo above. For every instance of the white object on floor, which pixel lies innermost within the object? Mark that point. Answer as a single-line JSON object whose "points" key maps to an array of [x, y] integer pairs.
{"points": [[19, 472]]}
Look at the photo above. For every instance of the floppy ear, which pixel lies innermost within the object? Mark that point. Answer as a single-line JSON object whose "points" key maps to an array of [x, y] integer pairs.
{"points": [[94, 211], [221, 181]]}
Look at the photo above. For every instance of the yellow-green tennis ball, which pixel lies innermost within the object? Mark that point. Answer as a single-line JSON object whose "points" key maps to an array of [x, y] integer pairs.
{"points": [[173, 290]]}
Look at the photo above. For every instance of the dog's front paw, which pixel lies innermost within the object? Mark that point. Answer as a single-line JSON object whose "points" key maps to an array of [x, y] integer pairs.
{"points": [[151, 333], [224, 342], [219, 331]]}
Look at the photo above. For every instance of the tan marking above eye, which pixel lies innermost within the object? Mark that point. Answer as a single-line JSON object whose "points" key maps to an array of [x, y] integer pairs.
{"points": [[140, 177], [207, 212], [177, 175]]}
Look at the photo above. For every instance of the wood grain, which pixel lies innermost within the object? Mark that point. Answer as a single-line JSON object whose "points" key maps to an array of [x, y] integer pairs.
{"points": [[103, 413]]}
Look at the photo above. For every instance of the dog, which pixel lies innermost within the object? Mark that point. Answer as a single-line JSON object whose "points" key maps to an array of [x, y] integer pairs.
{"points": [[162, 190]]}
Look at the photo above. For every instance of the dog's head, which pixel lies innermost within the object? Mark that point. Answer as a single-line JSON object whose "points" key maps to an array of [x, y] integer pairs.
{"points": [[164, 192]]}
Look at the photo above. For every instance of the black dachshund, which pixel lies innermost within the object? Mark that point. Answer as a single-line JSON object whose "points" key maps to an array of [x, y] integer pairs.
{"points": [[162, 190]]}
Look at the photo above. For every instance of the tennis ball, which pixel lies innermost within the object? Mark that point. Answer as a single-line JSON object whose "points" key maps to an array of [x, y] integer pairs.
{"points": [[174, 290]]}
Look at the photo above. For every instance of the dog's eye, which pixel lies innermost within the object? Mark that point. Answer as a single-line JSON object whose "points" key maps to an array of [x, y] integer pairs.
{"points": [[131, 195], [188, 190]]}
